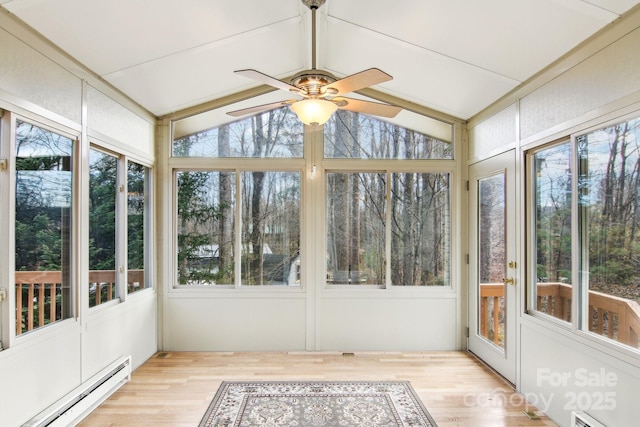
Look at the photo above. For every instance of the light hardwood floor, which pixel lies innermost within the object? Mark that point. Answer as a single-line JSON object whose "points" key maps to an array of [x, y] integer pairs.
{"points": [[175, 388]]}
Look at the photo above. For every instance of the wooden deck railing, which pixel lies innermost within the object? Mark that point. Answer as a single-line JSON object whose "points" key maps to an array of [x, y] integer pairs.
{"points": [[490, 294], [39, 294], [617, 318], [554, 299], [611, 316]]}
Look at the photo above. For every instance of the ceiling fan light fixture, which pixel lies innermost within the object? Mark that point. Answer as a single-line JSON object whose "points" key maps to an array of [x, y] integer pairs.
{"points": [[314, 112]]}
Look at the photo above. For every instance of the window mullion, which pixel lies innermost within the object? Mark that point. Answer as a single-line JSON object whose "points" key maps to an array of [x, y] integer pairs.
{"points": [[121, 227], [237, 258], [7, 233], [387, 245], [577, 294]]}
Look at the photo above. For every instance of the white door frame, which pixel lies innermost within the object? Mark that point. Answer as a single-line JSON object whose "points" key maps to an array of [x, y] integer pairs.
{"points": [[503, 356]]}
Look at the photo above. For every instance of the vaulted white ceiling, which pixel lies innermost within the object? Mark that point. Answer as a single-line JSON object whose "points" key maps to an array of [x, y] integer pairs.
{"points": [[455, 56]]}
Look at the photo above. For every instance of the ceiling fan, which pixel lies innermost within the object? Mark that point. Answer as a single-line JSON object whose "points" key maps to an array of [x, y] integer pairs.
{"points": [[321, 92]]}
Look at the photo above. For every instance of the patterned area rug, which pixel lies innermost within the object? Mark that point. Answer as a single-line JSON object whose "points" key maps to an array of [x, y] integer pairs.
{"points": [[323, 403]]}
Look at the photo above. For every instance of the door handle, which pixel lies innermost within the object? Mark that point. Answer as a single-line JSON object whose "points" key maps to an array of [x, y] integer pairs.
{"points": [[509, 281]]}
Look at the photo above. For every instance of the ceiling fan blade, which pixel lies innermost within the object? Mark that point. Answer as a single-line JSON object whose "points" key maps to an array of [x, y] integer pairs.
{"points": [[367, 107], [268, 80], [259, 108], [370, 77]]}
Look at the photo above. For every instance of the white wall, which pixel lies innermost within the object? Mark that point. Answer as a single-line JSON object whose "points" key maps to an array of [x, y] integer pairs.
{"points": [[256, 322], [39, 367], [561, 373], [263, 321], [598, 82], [389, 323]]}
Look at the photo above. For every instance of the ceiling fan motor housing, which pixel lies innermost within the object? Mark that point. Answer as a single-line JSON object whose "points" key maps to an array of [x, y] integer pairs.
{"points": [[313, 4], [313, 82]]}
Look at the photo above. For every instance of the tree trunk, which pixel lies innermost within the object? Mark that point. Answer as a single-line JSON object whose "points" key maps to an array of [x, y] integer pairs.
{"points": [[225, 224]]}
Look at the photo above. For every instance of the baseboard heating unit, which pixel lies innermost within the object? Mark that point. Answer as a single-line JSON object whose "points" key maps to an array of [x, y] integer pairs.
{"points": [[580, 419], [75, 406]]}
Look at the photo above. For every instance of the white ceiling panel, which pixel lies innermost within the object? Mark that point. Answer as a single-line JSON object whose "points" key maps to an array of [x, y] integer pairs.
{"points": [[433, 80], [456, 56], [194, 76], [488, 34], [616, 6], [110, 35]]}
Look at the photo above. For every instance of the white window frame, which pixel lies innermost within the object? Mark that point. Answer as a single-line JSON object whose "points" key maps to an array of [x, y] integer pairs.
{"points": [[8, 322], [579, 303], [148, 223]]}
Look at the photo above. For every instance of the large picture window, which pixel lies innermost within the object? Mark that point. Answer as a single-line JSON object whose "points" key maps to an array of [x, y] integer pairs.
{"points": [[44, 196], [239, 211]]}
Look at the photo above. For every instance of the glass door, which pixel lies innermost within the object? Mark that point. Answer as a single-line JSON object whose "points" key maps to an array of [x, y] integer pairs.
{"points": [[492, 263]]}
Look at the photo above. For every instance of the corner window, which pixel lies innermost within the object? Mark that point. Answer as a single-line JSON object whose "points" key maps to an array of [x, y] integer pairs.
{"points": [[44, 198]]}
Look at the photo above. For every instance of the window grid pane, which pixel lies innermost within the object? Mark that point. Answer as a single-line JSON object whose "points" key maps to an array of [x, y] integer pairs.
{"points": [[492, 262], [609, 214], [137, 226], [356, 212], [274, 134], [43, 220], [351, 135], [420, 227], [103, 182], [270, 228], [206, 227], [553, 293]]}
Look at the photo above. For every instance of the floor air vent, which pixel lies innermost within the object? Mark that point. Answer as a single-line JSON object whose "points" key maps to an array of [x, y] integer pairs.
{"points": [[72, 408], [580, 419]]}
